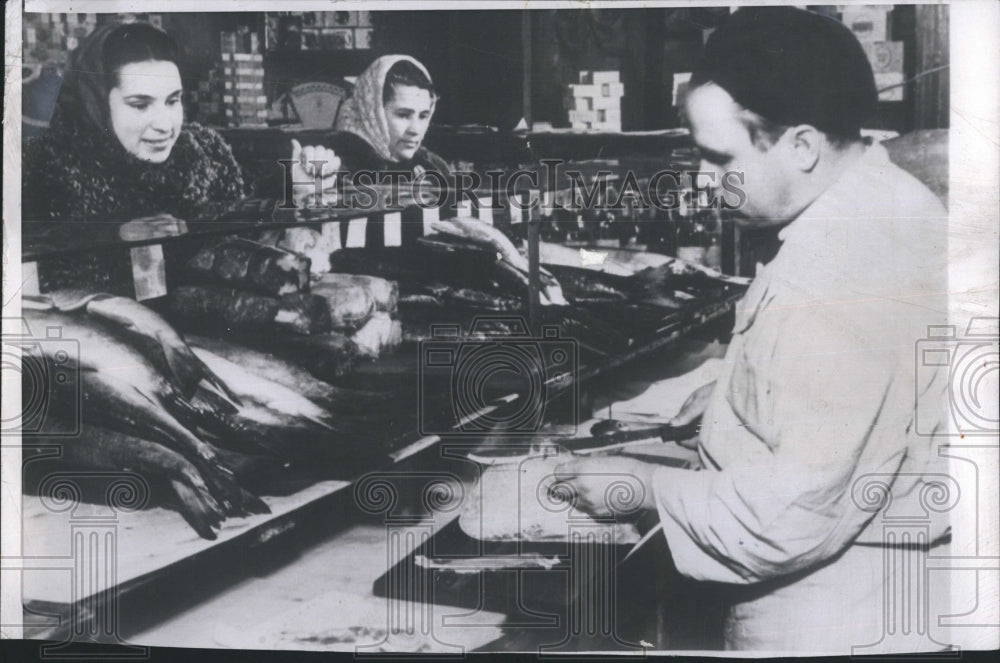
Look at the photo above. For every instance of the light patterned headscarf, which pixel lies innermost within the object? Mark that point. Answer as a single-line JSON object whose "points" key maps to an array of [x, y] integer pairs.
{"points": [[363, 114]]}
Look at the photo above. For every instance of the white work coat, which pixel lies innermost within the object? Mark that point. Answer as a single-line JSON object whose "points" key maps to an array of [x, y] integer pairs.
{"points": [[815, 424]]}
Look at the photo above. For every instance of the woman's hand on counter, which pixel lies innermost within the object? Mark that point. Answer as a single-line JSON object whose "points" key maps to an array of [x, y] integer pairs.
{"points": [[310, 160], [609, 485]]}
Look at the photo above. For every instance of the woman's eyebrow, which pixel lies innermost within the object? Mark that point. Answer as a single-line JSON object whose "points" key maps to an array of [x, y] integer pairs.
{"points": [[139, 96]]}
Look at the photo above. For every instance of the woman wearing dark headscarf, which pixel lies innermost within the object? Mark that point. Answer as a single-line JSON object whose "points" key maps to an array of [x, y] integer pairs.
{"points": [[383, 124], [116, 144]]}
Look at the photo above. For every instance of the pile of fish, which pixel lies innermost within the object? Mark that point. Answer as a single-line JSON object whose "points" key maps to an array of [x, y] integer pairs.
{"points": [[469, 269], [266, 296], [202, 418]]}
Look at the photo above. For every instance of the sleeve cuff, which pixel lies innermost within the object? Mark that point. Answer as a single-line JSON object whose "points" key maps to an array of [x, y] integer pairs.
{"points": [[682, 501]]}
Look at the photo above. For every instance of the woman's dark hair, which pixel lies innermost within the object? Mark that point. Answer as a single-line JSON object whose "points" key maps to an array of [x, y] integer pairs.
{"points": [[93, 68], [405, 72], [136, 42]]}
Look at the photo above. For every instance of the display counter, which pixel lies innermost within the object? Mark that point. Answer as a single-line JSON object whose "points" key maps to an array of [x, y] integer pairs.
{"points": [[647, 304]]}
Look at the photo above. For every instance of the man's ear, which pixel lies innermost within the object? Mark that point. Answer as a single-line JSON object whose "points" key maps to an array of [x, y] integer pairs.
{"points": [[806, 143]]}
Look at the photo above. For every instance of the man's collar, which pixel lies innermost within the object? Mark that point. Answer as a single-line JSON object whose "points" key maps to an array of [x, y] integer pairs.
{"points": [[852, 179]]}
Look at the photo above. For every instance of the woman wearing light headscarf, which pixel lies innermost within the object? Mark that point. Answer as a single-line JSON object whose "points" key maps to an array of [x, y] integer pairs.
{"points": [[383, 124]]}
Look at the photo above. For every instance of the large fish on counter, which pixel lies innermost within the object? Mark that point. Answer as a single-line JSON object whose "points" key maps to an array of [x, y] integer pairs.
{"points": [[510, 258], [98, 448], [149, 332], [243, 263], [119, 388], [279, 421], [266, 393], [291, 376], [223, 307]]}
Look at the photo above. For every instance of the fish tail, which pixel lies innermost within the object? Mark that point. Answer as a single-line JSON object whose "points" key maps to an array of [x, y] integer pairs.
{"points": [[188, 371], [249, 438], [252, 504], [199, 509], [327, 423], [222, 484], [221, 480]]}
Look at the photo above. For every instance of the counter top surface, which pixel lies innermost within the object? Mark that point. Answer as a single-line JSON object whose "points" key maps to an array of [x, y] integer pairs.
{"points": [[323, 588]]}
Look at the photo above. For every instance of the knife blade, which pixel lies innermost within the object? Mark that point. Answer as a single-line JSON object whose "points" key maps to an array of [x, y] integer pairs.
{"points": [[616, 439]]}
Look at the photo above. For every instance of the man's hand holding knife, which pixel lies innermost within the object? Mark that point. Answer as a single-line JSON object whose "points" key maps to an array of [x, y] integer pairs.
{"points": [[591, 477]]}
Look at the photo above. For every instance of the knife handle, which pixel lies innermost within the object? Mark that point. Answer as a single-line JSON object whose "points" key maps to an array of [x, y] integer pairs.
{"points": [[670, 433]]}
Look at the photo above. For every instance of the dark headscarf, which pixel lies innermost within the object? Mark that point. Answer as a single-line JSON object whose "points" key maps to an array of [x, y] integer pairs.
{"points": [[90, 75], [792, 66], [78, 168]]}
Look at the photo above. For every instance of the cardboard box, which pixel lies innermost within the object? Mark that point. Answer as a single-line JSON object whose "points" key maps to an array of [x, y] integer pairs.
{"points": [[244, 85], [310, 39], [598, 77], [887, 79], [243, 99], [363, 37], [868, 23], [338, 40], [609, 116], [242, 68], [607, 103], [886, 56], [612, 90], [584, 90], [606, 90], [341, 19], [228, 43]]}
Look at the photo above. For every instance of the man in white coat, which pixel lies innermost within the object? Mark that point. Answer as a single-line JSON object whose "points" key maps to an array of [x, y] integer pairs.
{"points": [[820, 435]]}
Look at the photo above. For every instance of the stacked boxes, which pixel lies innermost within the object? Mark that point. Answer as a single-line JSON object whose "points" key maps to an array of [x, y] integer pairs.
{"points": [[204, 104], [597, 101], [243, 89], [870, 24], [886, 58], [233, 95], [318, 31], [49, 38]]}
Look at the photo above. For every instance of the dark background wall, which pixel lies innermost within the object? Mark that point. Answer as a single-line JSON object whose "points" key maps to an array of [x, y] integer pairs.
{"points": [[477, 59]]}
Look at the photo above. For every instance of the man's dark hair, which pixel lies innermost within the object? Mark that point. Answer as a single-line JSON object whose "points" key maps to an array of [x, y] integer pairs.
{"points": [[790, 67], [764, 133]]}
